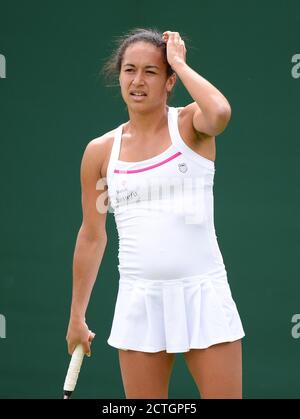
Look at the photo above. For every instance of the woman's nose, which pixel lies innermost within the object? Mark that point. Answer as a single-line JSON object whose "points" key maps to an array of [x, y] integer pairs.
{"points": [[138, 79]]}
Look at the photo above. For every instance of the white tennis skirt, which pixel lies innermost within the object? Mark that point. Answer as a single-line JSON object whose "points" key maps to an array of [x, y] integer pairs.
{"points": [[175, 315]]}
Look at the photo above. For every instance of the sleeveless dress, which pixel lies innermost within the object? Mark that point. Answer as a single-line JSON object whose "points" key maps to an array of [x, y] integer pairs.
{"points": [[173, 291]]}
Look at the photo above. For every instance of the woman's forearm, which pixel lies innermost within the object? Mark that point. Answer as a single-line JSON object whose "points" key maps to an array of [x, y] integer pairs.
{"points": [[88, 255], [209, 99]]}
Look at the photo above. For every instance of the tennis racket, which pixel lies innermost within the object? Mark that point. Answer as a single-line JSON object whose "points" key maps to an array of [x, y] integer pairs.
{"points": [[73, 371]]}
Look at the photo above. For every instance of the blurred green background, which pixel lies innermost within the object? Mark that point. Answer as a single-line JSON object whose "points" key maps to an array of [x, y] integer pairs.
{"points": [[53, 102]]}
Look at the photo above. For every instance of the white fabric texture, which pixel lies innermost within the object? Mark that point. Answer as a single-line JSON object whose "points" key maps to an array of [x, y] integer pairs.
{"points": [[173, 290]]}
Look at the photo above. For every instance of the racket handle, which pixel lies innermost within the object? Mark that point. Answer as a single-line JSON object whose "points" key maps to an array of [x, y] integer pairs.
{"points": [[73, 371]]}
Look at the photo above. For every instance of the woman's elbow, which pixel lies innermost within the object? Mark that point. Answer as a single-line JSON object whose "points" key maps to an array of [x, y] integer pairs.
{"points": [[222, 119]]}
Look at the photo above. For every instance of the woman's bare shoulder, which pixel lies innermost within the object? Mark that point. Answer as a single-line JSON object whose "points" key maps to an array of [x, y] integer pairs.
{"points": [[104, 140], [100, 148]]}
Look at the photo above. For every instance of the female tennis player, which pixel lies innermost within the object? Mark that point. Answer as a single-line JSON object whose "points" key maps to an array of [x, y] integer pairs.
{"points": [[173, 295]]}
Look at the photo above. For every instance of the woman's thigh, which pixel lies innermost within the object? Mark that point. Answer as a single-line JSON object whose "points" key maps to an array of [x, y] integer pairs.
{"points": [[217, 370], [146, 375]]}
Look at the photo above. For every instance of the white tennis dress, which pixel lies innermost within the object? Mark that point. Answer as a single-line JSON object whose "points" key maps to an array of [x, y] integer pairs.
{"points": [[173, 291]]}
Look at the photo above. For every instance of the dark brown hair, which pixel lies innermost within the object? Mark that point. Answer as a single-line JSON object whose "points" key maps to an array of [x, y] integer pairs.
{"points": [[111, 68]]}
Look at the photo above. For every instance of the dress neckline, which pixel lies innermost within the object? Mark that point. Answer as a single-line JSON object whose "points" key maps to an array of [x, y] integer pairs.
{"points": [[157, 156]]}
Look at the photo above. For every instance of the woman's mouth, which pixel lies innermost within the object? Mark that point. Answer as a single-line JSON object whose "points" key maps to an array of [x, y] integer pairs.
{"points": [[137, 93], [138, 96]]}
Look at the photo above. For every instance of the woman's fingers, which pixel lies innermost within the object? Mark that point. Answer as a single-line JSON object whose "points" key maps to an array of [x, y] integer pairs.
{"points": [[87, 346], [71, 349], [173, 36]]}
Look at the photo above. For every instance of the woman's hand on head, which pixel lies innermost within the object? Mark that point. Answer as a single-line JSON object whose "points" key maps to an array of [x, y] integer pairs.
{"points": [[176, 51]]}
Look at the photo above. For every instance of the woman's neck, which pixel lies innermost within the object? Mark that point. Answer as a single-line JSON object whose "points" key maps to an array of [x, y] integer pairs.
{"points": [[147, 123]]}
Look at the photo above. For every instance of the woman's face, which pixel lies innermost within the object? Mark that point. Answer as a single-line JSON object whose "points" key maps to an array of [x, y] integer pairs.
{"points": [[143, 76]]}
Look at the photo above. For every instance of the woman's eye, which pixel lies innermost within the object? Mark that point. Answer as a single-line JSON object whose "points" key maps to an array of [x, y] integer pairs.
{"points": [[131, 69]]}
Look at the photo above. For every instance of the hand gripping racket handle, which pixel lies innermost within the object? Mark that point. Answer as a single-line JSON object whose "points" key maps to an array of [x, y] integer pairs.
{"points": [[73, 371]]}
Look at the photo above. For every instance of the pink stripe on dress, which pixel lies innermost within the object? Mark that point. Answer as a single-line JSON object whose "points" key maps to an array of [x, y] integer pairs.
{"points": [[149, 167]]}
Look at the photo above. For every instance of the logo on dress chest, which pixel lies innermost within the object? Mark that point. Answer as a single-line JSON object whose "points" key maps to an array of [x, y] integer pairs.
{"points": [[125, 195], [182, 167]]}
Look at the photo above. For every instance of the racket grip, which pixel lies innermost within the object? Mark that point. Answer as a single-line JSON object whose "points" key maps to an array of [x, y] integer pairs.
{"points": [[73, 370]]}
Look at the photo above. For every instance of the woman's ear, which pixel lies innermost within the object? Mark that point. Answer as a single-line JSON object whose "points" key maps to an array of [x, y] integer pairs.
{"points": [[171, 82]]}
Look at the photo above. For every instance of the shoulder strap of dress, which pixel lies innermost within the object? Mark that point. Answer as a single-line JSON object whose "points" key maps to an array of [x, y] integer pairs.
{"points": [[173, 125], [178, 141], [115, 151]]}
